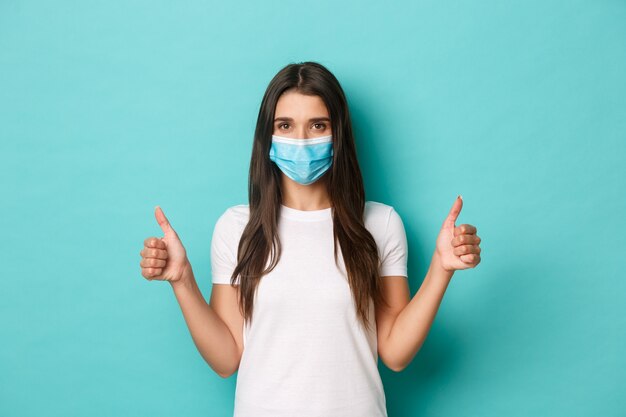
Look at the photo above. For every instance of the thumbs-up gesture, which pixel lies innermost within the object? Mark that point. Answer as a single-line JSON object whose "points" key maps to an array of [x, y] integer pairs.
{"points": [[457, 246], [163, 258]]}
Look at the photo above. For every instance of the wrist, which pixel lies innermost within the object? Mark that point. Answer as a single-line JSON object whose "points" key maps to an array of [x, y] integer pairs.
{"points": [[186, 276], [437, 267]]}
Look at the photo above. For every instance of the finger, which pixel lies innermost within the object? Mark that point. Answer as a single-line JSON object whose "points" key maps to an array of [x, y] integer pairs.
{"points": [[464, 229], [151, 272], [465, 240], [471, 258], [153, 253], [162, 220], [466, 249], [454, 212], [154, 242], [152, 263]]}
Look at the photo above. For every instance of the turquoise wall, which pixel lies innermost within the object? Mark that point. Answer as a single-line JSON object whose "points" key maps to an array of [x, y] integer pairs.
{"points": [[110, 108]]}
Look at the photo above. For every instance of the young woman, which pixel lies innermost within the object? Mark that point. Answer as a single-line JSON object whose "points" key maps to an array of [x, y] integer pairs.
{"points": [[309, 279]]}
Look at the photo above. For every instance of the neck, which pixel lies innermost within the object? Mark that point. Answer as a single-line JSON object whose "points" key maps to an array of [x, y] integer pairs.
{"points": [[305, 197]]}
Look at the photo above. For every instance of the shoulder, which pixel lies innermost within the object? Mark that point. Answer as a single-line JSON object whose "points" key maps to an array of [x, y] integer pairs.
{"points": [[377, 218], [234, 218], [377, 214]]}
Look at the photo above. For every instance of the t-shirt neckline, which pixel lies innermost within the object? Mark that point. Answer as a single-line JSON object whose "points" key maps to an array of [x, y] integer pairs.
{"points": [[305, 215]]}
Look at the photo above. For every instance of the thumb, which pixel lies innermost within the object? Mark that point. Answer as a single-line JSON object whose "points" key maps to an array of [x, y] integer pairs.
{"points": [[454, 212], [162, 220]]}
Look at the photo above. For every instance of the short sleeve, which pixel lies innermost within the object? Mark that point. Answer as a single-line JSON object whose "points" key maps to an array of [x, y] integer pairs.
{"points": [[224, 245], [395, 248]]}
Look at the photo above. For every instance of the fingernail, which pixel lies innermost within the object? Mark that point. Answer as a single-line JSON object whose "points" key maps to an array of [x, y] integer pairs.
{"points": [[460, 196]]}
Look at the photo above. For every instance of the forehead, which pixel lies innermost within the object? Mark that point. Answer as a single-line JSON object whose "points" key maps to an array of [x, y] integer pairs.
{"points": [[300, 106]]}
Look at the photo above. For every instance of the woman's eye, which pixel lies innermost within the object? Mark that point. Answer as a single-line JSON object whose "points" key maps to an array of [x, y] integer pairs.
{"points": [[283, 124], [320, 124]]}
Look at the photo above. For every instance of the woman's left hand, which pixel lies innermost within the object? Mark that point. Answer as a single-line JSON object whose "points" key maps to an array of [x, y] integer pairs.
{"points": [[457, 246]]}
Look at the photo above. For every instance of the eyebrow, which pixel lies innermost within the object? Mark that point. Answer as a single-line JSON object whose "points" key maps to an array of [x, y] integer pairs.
{"points": [[313, 119]]}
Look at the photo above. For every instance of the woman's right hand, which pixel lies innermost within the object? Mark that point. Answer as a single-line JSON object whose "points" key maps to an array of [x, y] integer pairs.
{"points": [[164, 258]]}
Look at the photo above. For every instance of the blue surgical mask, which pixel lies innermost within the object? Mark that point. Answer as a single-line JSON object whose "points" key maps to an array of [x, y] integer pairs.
{"points": [[302, 160]]}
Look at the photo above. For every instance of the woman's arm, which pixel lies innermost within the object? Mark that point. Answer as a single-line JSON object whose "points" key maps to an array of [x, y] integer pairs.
{"points": [[457, 248], [210, 334], [413, 323]]}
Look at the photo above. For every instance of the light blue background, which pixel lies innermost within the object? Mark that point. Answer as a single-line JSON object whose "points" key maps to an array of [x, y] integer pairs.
{"points": [[108, 109]]}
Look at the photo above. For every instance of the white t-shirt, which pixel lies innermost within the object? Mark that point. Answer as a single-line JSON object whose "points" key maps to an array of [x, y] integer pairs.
{"points": [[305, 353]]}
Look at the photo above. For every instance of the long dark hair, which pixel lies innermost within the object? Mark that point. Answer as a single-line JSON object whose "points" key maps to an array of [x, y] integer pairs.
{"points": [[344, 184]]}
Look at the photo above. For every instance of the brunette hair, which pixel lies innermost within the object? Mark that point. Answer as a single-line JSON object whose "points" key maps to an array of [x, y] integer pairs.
{"points": [[344, 183]]}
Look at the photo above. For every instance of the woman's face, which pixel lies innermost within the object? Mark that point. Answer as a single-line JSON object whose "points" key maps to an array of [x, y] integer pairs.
{"points": [[301, 116]]}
